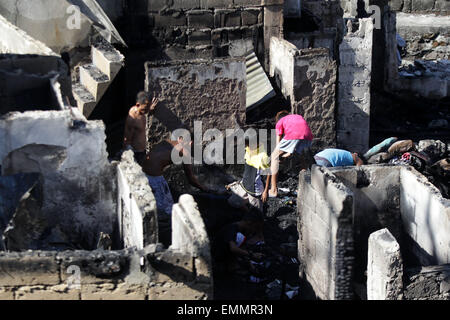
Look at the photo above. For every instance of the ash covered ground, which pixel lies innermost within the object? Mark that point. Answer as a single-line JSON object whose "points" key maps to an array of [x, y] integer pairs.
{"points": [[280, 232]]}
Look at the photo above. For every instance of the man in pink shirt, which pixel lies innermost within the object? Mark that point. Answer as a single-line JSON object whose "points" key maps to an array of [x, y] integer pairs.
{"points": [[297, 138]]}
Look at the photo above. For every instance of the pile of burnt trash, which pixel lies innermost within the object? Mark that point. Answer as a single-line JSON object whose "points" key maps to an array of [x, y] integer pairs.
{"points": [[429, 157], [276, 275]]}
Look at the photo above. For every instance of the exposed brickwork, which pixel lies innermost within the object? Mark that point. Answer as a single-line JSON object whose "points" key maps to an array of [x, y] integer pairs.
{"points": [[180, 30], [105, 275]]}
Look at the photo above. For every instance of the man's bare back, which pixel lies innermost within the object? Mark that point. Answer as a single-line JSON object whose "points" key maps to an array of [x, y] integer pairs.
{"points": [[161, 157]]}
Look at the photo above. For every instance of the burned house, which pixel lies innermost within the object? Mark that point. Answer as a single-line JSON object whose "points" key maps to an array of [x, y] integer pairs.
{"points": [[78, 218]]}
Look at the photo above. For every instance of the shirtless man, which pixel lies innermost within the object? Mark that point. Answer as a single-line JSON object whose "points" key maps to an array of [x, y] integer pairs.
{"points": [[154, 165], [136, 125]]}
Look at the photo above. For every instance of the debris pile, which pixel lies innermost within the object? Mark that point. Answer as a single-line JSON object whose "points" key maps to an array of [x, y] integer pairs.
{"points": [[429, 157]]}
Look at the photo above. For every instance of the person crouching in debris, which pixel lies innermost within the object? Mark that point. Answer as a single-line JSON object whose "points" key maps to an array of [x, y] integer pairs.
{"points": [[154, 166], [337, 158], [135, 137], [246, 194], [229, 246], [293, 136]]}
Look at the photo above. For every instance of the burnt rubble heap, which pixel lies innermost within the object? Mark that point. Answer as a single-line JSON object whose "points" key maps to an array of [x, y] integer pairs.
{"points": [[80, 221]]}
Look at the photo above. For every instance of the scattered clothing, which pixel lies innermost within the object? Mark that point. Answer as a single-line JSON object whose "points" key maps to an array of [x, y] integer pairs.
{"points": [[401, 147], [240, 239], [379, 158], [336, 157], [161, 191], [294, 127], [381, 147]]}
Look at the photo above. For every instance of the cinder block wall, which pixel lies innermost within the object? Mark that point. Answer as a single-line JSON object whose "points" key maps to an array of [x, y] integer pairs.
{"points": [[102, 275], [181, 29], [325, 209], [339, 209], [376, 191], [384, 267], [440, 7], [426, 218], [354, 93]]}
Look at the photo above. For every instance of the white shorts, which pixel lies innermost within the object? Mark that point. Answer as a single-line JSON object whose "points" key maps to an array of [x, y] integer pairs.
{"points": [[291, 146]]}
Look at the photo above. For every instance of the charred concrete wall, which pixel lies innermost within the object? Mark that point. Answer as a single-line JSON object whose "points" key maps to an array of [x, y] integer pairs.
{"points": [[79, 194], [33, 82], [421, 6], [213, 92], [181, 272], [15, 40], [307, 78], [102, 275], [354, 88], [376, 203], [317, 39], [202, 28], [329, 12], [137, 213], [325, 208], [427, 283]]}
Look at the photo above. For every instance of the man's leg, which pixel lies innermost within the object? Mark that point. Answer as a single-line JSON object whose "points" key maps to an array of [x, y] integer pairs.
{"points": [[274, 167]]}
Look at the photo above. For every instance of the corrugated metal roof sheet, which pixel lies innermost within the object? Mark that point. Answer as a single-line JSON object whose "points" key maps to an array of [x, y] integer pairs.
{"points": [[259, 88]]}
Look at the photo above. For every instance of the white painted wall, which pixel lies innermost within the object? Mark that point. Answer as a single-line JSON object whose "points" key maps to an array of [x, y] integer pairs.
{"points": [[425, 215], [282, 54]]}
